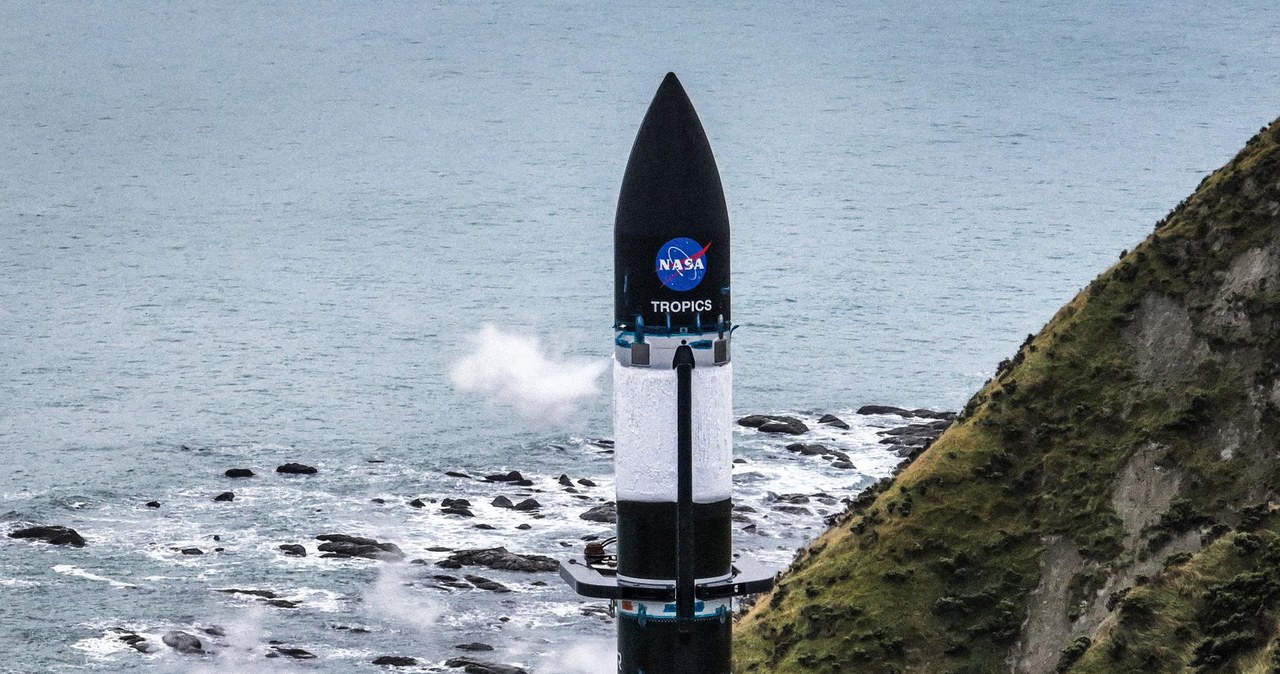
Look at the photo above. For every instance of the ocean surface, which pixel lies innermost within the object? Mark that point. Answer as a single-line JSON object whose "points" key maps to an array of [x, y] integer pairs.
{"points": [[237, 235]]}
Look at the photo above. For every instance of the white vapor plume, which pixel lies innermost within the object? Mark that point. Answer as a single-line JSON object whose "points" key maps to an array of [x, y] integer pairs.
{"points": [[391, 598], [516, 371]]}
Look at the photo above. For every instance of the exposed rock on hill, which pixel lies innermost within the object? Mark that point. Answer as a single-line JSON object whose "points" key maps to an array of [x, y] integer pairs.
{"points": [[1103, 504]]}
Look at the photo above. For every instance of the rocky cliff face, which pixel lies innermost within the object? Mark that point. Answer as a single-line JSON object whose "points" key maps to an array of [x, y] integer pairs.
{"points": [[1105, 502]]}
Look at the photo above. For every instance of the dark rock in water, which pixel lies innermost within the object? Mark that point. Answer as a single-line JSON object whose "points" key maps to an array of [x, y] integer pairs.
{"points": [[295, 653], [296, 469], [477, 667], [606, 514], [215, 631], [458, 511], [264, 594], [192, 551], [417, 503], [454, 473], [932, 414], [183, 642], [586, 483], [379, 501], [795, 499], [793, 509], [833, 420], [527, 504], [375, 550], [770, 423], [293, 550], [513, 476], [395, 661], [808, 449], [486, 584], [283, 603], [885, 409], [54, 535], [566, 481], [500, 559], [484, 527], [784, 425], [225, 496], [153, 504], [526, 526], [842, 465], [238, 472], [344, 538], [455, 503], [439, 548], [502, 502], [474, 646]]}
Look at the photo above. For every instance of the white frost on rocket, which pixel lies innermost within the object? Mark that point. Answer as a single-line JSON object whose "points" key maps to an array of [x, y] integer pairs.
{"points": [[515, 370]]}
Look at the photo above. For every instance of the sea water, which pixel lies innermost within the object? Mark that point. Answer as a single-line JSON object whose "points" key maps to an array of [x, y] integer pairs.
{"points": [[238, 236]]}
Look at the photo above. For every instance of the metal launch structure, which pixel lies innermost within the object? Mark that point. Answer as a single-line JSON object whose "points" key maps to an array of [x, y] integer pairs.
{"points": [[673, 578]]}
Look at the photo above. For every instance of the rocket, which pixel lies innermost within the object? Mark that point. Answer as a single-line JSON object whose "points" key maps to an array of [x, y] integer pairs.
{"points": [[673, 576]]}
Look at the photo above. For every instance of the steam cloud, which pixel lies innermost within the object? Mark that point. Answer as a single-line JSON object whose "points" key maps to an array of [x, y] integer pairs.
{"points": [[516, 371]]}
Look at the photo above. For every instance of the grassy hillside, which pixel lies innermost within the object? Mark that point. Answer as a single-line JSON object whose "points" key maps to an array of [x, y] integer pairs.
{"points": [[1086, 512]]}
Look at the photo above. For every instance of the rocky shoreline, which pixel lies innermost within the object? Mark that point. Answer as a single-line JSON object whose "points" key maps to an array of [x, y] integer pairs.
{"points": [[907, 434]]}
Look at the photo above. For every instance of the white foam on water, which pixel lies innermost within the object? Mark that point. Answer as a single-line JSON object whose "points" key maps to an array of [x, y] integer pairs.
{"points": [[516, 370], [69, 570], [18, 583]]}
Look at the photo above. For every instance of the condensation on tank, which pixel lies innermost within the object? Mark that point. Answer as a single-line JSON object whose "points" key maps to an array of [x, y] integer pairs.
{"points": [[644, 420]]}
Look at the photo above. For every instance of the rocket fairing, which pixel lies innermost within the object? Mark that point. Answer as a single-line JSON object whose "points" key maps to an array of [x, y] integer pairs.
{"points": [[675, 576]]}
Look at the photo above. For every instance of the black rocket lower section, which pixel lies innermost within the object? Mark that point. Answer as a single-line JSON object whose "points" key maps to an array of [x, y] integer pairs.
{"points": [[647, 534], [653, 647]]}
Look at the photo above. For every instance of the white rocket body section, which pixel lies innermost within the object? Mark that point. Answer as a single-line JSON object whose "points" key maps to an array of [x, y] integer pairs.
{"points": [[644, 428]]}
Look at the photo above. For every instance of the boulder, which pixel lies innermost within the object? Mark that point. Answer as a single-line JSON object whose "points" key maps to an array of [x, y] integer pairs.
{"points": [[605, 514], [586, 483], [464, 512], [885, 409], [474, 647], [295, 653], [808, 449], [486, 584], [788, 425], [566, 481], [293, 550], [499, 559], [417, 503], [153, 504], [395, 661], [933, 414], [296, 469], [502, 502], [833, 420], [527, 504], [183, 642], [513, 476], [477, 667], [238, 472], [53, 535], [192, 551], [225, 496], [343, 545], [455, 503]]}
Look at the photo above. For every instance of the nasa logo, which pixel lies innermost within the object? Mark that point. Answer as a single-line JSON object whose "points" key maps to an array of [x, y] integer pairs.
{"points": [[681, 263]]}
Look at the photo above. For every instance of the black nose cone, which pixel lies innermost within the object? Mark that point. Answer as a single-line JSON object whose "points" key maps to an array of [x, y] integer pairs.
{"points": [[671, 233]]}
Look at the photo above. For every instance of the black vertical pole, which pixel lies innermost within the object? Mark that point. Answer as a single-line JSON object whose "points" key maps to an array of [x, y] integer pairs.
{"points": [[684, 364]]}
